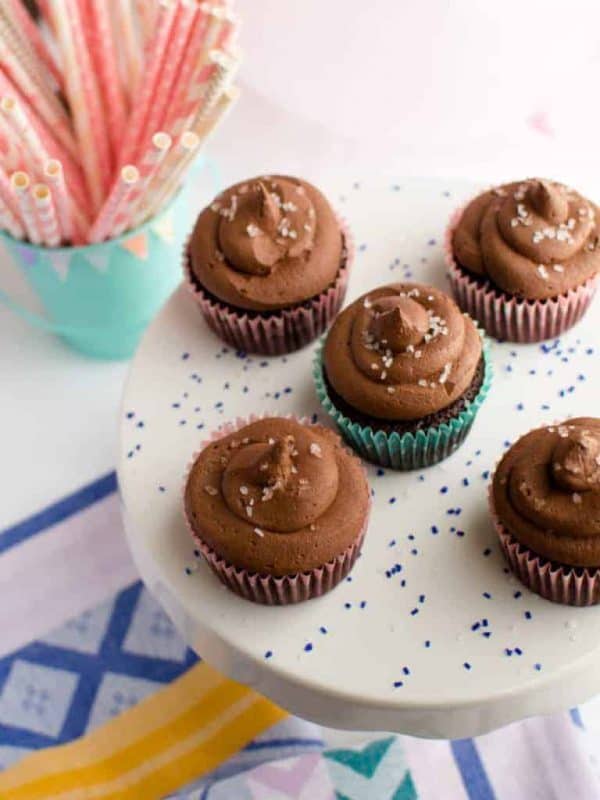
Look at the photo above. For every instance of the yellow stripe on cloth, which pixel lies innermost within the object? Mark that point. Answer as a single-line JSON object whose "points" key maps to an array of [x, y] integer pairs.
{"points": [[172, 738]]}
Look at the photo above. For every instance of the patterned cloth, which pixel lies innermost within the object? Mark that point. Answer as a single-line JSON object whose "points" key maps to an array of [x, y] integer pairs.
{"points": [[113, 704]]}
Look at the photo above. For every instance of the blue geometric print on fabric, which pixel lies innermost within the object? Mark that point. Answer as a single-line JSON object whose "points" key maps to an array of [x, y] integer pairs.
{"points": [[57, 512], [84, 668]]}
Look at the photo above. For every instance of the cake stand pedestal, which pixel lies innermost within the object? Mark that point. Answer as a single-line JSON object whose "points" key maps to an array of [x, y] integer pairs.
{"points": [[429, 635]]}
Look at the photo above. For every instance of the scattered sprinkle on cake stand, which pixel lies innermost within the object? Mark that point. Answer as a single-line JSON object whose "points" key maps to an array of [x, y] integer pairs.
{"points": [[429, 635]]}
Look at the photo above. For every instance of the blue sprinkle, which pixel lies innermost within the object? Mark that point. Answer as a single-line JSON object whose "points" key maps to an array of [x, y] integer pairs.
{"points": [[485, 475], [185, 356], [200, 426], [427, 643], [380, 472], [589, 351], [392, 500], [362, 247], [508, 651], [431, 242], [174, 405], [414, 612], [421, 598], [475, 626], [161, 489], [288, 390], [443, 490], [392, 543], [197, 553], [484, 623], [487, 595], [466, 665], [422, 478], [517, 594], [518, 651], [528, 615], [363, 603], [487, 634], [182, 422], [403, 583], [268, 654], [487, 551], [465, 481], [414, 551], [398, 684], [308, 647], [406, 670], [411, 537], [537, 667], [138, 447], [520, 406], [130, 414], [188, 571], [323, 629], [581, 377], [460, 533], [347, 605], [434, 529]]}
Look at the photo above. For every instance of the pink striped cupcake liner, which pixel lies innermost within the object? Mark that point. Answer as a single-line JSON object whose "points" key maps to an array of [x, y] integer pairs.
{"points": [[509, 318], [279, 332], [267, 589], [560, 583]]}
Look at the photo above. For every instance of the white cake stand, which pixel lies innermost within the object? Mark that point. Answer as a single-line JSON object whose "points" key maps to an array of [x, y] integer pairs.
{"points": [[429, 635]]}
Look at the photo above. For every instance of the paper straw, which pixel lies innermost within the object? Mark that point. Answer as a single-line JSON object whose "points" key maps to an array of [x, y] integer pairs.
{"points": [[183, 25], [23, 22], [47, 146], [132, 61], [136, 128], [45, 103], [168, 179], [84, 97], [20, 182], [147, 13], [161, 145], [105, 59], [106, 222], [72, 224], [24, 52], [10, 223], [14, 156], [46, 214], [7, 194]]}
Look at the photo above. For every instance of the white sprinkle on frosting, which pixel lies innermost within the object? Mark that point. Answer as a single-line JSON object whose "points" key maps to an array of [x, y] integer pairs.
{"points": [[315, 450], [252, 230], [211, 490], [258, 532]]}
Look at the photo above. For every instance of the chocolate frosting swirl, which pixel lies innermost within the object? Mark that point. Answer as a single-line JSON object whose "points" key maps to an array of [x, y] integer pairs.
{"points": [[546, 492], [535, 239], [277, 496], [267, 243], [402, 352]]}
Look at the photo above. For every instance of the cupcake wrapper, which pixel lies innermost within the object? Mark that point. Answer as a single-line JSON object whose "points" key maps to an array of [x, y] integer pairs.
{"points": [[282, 331], [573, 586], [509, 318], [409, 450], [269, 589]]}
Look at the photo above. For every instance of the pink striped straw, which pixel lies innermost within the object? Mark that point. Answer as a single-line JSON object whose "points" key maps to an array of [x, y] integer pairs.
{"points": [[124, 22], [48, 146], [106, 58], [146, 13], [46, 215], [73, 228], [25, 53], [7, 193], [84, 97], [173, 58], [10, 223], [150, 165], [136, 128], [45, 103], [15, 156], [30, 31], [21, 183], [111, 215]]}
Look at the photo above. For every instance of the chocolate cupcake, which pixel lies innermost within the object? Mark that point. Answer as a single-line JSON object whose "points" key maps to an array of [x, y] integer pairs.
{"points": [[268, 264], [278, 509], [545, 501], [403, 373], [523, 259]]}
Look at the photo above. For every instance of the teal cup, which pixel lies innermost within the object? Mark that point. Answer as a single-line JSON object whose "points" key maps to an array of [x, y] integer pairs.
{"points": [[100, 298]]}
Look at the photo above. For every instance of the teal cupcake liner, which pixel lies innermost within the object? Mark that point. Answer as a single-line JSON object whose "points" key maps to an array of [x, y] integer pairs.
{"points": [[409, 450]]}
